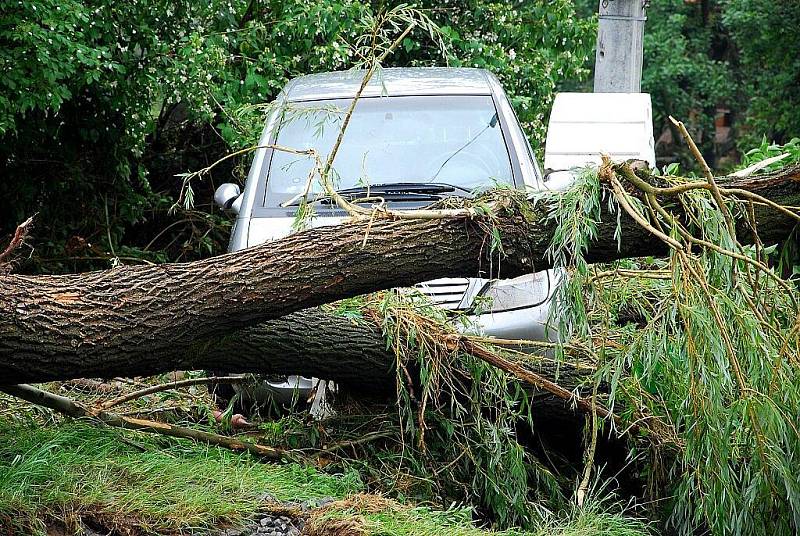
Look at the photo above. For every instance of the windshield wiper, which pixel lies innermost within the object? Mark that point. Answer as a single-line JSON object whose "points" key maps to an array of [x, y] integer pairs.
{"points": [[405, 188], [412, 191], [386, 196]]}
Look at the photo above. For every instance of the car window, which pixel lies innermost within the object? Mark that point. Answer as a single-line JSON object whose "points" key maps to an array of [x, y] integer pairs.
{"points": [[445, 139]]}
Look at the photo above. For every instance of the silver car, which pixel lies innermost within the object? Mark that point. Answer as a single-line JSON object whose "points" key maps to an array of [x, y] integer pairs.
{"points": [[416, 135]]}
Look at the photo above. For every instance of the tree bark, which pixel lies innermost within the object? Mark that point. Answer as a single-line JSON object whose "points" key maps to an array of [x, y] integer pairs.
{"points": [[125, 319], [352, 353]]}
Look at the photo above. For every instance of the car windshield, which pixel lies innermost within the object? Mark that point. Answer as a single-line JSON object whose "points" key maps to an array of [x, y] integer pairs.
{"points": [[454, 140]]}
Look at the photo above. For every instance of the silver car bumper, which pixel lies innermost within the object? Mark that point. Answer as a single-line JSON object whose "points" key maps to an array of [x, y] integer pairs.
{"points": [[527, 323]]}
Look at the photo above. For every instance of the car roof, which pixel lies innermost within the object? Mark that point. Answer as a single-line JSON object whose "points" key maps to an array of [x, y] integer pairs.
{"points": [[395, 81]]}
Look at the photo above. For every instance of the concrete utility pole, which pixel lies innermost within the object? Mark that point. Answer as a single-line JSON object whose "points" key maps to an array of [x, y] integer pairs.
{"points": [[618, 62]]}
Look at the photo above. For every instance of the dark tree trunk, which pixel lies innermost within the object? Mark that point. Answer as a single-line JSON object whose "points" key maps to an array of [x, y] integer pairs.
{"points": [[352, 353], [142, 319]]}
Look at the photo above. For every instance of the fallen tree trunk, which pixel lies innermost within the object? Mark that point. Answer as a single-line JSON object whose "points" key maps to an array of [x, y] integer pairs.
{"points": [[325, 345], [101, 323]]}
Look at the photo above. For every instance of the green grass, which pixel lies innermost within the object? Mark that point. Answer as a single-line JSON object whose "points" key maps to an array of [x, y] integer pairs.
{"points": [[164, 485], [594, 519]]}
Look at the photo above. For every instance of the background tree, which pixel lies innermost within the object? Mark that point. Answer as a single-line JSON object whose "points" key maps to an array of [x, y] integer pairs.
{"points": [[728, 60], [766, 63], [104, 103], [686, 72]]}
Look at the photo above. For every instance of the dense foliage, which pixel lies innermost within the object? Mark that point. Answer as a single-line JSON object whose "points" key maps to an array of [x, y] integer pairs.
{"points": [[766, 66], [735, 55], [684, 71], [698, 352], [102, 103], [732, 60]]}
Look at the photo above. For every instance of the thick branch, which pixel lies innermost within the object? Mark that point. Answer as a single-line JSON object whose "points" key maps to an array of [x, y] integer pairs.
{"points": [[56, 327], [320, 343]]}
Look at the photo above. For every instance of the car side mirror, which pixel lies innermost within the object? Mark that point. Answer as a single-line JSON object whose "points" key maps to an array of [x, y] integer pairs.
{"points": [[228, 197]]}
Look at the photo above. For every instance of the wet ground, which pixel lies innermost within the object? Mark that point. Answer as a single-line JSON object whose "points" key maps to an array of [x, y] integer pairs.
{"points": [[281, 519], [278, 519]]}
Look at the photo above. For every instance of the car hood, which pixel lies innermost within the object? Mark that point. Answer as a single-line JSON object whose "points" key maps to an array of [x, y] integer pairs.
{"points": [[268, 229]]}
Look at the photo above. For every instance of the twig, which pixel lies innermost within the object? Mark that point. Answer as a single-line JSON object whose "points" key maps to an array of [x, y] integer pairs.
{"points": [[16, 240], [165, 387], [366, 438], [583, 487], [324, 174], [715, 193], [693, 147], [631, 177], [621, 196], [722, 251], [187, 177], [90, 385], [76, 410], [636, 274], [651, 192], [156, 411], [108, 231], [43, 260], [530, 377]]}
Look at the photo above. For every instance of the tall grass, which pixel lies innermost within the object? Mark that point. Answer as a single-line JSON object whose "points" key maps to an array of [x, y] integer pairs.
{"points": [[594, 518], [165, 485]]}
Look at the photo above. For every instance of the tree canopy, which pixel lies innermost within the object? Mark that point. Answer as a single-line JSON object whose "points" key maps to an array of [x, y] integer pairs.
{"points": [[102, 104]]}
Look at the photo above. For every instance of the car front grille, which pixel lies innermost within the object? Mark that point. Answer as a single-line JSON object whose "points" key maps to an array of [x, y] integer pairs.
{"points": [[446, 293]]}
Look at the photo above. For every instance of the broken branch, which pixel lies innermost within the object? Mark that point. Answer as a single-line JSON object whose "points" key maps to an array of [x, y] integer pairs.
{"points": [[76, 410], [19, 235], [166, 387]]}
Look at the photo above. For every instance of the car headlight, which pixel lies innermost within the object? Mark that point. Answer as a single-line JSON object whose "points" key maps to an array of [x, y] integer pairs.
{"points": [[530, 290]]}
